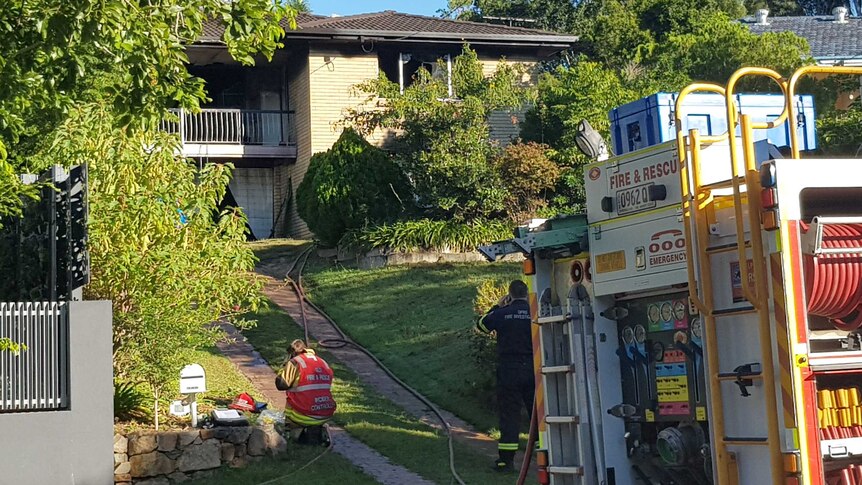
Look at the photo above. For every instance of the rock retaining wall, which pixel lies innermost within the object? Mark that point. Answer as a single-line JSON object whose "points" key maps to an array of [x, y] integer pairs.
{"points": [[378, 258], [165, 458]]}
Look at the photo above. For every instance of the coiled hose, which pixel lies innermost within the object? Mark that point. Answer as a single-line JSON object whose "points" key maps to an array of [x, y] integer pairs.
{"points": [[833, 282]]}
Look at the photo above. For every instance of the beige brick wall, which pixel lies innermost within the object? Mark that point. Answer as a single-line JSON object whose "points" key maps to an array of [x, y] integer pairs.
{"points": [[322, 93], [332, 78], [300, 102]]}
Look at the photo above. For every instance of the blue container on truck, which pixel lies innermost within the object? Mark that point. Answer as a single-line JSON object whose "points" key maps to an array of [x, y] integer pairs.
{"points": [[650, 121]]}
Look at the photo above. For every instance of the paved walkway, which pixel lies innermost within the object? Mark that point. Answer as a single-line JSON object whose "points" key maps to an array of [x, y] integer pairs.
{"points": [[370, 373], [239, 351]]}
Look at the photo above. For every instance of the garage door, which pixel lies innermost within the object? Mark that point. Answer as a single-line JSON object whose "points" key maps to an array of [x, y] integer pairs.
{"points": [[252, 188]]}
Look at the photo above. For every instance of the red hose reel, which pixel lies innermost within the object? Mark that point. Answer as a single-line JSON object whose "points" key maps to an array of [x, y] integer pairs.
{"points": [[833, 280]]}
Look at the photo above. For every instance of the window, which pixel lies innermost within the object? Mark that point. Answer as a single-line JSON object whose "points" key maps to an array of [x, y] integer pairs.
{"points": [[402, 67]]}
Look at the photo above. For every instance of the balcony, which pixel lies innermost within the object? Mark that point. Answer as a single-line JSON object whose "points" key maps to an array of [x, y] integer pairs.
{"points": [[234, 133]]}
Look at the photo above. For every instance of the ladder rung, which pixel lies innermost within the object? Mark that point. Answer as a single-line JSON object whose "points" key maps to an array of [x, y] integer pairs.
{"points": [[562, 419], [566, 470], [734, 311], [724, 184], [745, 441], [554, 369], [732, 376], [553, 319], [725, 248]]}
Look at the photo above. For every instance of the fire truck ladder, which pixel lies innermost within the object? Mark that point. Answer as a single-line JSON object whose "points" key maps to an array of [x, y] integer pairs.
{"points": [[694, 204], [570, 380], [568, 370]]}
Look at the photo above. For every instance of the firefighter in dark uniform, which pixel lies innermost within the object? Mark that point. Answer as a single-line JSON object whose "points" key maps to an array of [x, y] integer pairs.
{"points": [[511, 320]]}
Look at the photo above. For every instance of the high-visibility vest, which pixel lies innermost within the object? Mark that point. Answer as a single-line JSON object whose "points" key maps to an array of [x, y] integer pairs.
{"points": [[312, 395]]}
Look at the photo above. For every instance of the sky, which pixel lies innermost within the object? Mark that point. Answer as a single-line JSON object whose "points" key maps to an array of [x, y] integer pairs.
{"points": [[350, 7]]}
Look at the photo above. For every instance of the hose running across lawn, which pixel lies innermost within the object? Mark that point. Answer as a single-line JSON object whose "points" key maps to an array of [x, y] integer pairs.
{"points": [[344, 341]]}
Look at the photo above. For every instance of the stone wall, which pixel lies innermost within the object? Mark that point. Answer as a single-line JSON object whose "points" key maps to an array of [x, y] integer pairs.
{"points": [[164, 458], [378, 258]]}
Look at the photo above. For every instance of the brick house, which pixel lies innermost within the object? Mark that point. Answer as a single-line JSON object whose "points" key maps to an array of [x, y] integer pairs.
{"points": [[270, 118]]}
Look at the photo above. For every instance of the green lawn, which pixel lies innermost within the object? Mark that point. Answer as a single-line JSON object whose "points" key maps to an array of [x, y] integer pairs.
{"points": [[224, 380], [375, 420], [332, 469], [416, 320]]}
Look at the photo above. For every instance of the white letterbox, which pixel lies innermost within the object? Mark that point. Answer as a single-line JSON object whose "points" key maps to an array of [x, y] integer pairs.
{"points": [[193, 379]]}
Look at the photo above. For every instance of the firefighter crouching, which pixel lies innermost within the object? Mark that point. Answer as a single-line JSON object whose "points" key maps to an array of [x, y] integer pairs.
{"points": [[510, 319], [307, 381]]}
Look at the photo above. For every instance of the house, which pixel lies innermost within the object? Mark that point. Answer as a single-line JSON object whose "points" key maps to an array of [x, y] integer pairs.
{"points": [[834, 39], [270, 118]]}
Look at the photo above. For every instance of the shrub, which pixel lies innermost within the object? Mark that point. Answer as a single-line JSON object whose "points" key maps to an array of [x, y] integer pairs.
{"points": [[427, 234], [130, 402], [349, 186], [443, 140], [528, 175], [840, 132]]}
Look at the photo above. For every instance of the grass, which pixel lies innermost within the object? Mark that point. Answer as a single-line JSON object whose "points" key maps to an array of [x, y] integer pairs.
{"points": [[224, 382], [332, 469], [416, 320], [375, 420]]}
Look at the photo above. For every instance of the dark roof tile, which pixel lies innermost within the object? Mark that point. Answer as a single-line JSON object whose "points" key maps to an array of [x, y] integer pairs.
{"points": [[403, 25], [828, 39]]}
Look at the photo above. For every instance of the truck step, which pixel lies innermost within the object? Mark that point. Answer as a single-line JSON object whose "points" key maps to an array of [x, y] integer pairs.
{"points": [[732, 376], [723, 184], [725, 312], [566, 470], [553, 319], [725, 248], [562, 419], [728, 440], [557, 369]]}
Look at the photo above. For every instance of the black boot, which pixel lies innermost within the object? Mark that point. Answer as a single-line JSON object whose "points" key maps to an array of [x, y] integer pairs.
{"points": [[506, 462], [312, 435]]}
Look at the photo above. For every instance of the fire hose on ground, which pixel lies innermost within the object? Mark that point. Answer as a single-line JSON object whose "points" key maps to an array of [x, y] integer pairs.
{"points": [[343, 341]]}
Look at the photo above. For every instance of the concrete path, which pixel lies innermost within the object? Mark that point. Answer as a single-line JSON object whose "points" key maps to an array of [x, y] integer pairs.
{"points": [[370, 373], [239, 351]]}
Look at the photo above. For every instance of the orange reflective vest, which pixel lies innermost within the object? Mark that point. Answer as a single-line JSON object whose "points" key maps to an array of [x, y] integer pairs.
{"points": [[312, 395]]}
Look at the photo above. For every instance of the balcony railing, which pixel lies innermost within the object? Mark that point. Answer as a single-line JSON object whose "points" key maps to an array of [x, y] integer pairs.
{"points": [[233, 127]]}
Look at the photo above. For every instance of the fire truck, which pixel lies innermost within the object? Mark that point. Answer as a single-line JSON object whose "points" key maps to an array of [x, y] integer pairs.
{"points": [[700, 324]]}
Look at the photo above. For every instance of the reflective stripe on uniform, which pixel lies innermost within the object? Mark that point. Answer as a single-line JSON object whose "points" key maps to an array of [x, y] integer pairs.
{"points": [[300, 361], [507, 446], [481, 324], [303, 419], [311, 387]]}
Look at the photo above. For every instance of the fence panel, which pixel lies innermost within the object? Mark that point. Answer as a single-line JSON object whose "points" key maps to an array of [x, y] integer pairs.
{"points": [[36, 379]]}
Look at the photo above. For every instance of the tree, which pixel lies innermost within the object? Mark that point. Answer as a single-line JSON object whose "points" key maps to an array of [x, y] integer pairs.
{"points": [[555, 15], [714, 47], [50, 50], [87, 82], [585, 90], [443, 143], [840, 133], [350, 186], [157, 252], [777, 8]]}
